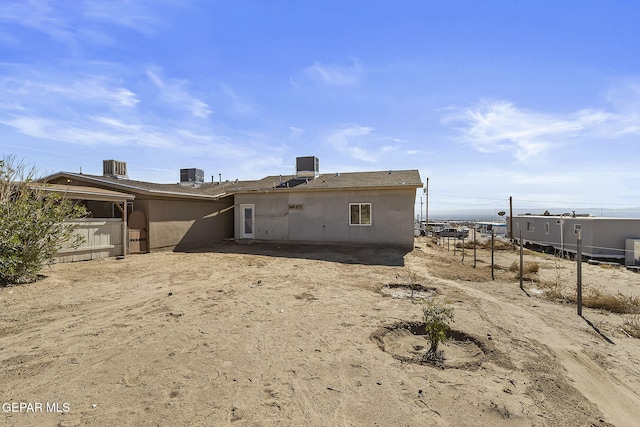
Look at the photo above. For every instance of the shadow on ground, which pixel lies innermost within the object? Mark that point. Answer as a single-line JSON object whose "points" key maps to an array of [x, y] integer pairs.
{"points": [[392, 256]]}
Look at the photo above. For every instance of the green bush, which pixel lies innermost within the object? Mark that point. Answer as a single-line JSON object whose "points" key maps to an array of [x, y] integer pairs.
{"points": [[32, 223], [436, 318]]}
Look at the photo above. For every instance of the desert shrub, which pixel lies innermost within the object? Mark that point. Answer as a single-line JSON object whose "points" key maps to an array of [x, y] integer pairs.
{"points": [[436, 318], [631, 326], [485, 243], [412, 282], [618, 303], [529, 269], [553, 291], [32, 223], [593, 298]]}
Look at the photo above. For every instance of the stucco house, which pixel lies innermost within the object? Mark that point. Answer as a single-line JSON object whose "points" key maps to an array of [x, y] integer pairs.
{"points": [[160, 216], [357, 207]]}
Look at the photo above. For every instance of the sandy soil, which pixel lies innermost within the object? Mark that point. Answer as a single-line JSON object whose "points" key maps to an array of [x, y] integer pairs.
{"points": [[261, 335]]}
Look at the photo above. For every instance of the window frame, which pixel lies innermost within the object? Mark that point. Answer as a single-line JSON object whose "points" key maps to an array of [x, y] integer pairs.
{"points": [[360, 205]]}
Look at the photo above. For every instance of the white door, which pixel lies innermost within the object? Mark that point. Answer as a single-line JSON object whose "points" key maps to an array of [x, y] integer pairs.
{"points": [[248, 217]]}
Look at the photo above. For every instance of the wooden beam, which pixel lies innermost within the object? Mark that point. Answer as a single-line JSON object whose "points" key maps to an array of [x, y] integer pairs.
{"points": [[120, 208]]}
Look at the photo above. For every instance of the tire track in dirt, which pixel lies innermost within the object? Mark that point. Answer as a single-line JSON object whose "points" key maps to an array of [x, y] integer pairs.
{"points": [[619, 404]]}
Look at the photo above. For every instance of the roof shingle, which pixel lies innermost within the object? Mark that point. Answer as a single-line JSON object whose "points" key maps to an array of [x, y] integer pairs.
{"points": [[349, 180]]}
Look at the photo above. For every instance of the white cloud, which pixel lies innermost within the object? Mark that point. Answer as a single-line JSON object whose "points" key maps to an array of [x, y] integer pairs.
{"points": [[87, 109], [37, 15], [238, 104], [40, 90], [175, 93], [344, 140], [103, 131], [77, 22], [360, 143], [494, 126], [335, 75], [295, 132], [135, 15]]}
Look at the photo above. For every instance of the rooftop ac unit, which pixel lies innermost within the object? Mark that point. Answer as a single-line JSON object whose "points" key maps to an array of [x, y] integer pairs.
{"points": [[191, 176], [307, 167], [114, 169]]}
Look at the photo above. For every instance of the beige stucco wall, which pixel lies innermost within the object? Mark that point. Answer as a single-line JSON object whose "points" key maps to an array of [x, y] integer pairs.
{"points": [[184, 224], [324, 217], [175, 222]]}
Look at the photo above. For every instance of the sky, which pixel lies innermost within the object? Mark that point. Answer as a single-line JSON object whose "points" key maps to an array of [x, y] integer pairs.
{"points": [[538, 100]]}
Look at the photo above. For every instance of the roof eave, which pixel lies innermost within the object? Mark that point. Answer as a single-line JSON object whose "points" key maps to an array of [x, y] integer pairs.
{"points": [[346, 188], [137, 189]]}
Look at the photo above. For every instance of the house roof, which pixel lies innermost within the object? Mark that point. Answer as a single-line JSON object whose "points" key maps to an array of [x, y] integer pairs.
{"points": [[350, 180], [84, 193], [205, 191]]}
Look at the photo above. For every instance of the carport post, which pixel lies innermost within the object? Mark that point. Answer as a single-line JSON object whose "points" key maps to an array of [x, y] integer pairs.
{"points": [[124, 228]]}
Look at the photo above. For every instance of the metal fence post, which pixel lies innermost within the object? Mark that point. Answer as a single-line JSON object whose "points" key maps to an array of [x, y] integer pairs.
{"points": [[521, 262], [579, 271]]}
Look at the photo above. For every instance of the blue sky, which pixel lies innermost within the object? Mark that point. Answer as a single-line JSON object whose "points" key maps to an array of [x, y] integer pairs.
{"points": [[539, 100]]}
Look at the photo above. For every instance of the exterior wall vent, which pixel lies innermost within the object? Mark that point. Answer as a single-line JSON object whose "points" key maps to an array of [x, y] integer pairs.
{"points": [[192, 176], [307, 167], [114, 169]]}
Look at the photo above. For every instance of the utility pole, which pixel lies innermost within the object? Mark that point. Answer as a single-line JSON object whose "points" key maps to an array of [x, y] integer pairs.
{"points": [[426, 192], [511, 219]]}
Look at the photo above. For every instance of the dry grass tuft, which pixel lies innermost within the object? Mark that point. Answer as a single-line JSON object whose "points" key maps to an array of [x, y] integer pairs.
{"points": [[631, 326], [553, 291], [619, 303], [594, 298], [498, 245], [529, 269]]}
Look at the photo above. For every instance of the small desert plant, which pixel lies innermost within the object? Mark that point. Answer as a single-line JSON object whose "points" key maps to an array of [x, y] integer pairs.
{"points": [[553, 291], [631, 326], [411, 281], [436, 318], [529, 269]]}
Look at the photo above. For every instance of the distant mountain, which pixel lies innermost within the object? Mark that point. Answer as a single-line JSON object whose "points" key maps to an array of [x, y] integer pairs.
{"points": [[492, 214]]}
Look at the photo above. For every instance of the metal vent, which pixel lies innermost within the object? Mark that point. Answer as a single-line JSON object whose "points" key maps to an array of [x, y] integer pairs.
{"points": [[114, 169], [191, 176], [307, 167]]}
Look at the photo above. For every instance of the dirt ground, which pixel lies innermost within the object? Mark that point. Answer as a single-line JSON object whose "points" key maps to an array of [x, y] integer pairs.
{"points": [[267, 335]]}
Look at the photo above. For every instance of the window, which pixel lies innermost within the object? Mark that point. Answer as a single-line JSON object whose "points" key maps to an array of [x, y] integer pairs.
{"points": [[529, 225], [546, 228], [577, 228], [360, 214]]}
